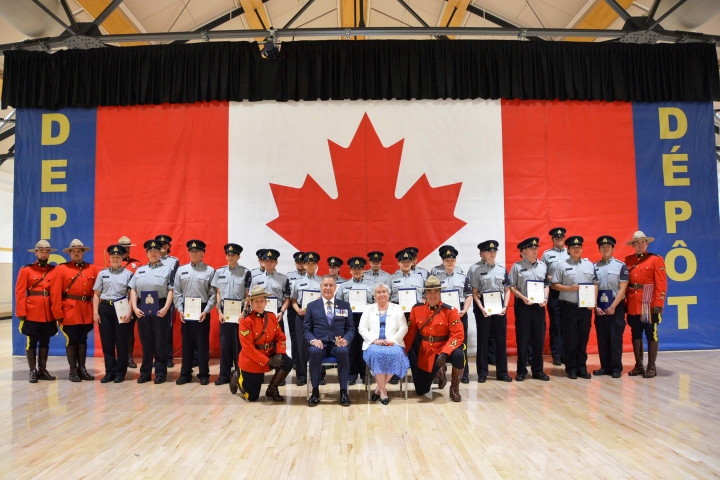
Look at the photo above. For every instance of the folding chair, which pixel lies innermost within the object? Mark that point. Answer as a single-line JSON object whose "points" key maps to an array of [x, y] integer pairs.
{"points": [[326, 362], [368, 382]]}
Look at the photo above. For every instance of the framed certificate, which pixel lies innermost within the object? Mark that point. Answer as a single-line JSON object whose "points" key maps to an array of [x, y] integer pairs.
{"points": [[536, 291], [451, 297], [272, 304], [149, 303], [586, 295], [493, 302], [407, 297], [193, 308], [308, 296], [232, 309], [357, 299], [122, 306], [605, 299]]}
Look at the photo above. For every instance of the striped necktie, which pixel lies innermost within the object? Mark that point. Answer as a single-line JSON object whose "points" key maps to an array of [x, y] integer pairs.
{"points": [[328, 311]]}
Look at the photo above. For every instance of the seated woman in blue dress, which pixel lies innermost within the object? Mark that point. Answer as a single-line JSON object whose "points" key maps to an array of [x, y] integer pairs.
{"points": [[383, 327]]}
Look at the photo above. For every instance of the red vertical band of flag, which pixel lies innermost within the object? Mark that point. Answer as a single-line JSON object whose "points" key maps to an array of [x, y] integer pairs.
{"points": [[572, 165], [163, 170]]}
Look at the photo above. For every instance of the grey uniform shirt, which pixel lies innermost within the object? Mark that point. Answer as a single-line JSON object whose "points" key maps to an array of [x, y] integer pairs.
{"points": [[523, 271], [380, 277], [343, 291], [256, 271], [551, 257], [293, 276], [305, 283], [231, 282], [490, 278], [422, 272], [456, 281], [274, 283], [399, 280], [194, 281], [113, 284], [172, 262], [610, 274], [441, 268], [153, 277], [472, 269], [569, 272]]}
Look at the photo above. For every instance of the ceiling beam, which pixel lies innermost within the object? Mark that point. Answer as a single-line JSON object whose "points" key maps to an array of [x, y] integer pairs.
{"points": [[117, 23], [353, 14], [598, 17], [453, 13], [257, 18], [71, 17], [492, 18], [667, 14], [53, 16]]}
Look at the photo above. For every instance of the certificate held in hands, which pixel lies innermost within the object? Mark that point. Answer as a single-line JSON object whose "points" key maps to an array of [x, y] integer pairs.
{"points": [[309, 296], [193, 308], [122, 306], [232, 309], [492, 302], [407, 298], [536, 291], [586, 295], [272, 305], [357, 299], [451, 297], [149, 303], [605, 299]]}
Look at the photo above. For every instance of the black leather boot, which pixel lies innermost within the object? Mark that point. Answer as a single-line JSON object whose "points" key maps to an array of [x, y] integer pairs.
{"points": [[43, 374], [30, 355], [82, 371], [71, 352]]}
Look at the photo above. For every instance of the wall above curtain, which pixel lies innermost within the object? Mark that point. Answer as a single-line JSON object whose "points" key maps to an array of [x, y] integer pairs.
{"points": [[371, 70]]}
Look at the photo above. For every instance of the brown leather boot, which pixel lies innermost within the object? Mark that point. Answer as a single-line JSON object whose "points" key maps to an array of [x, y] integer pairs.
{"points": [[638, 350], [43, 374], [71, 352], [455, 384], [82, 371], [272, 389], [652, 356], [30, 355], [442, 379]]}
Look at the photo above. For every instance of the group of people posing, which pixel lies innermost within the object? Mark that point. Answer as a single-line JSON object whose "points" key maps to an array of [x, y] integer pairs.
{"points": [[374, 322]]}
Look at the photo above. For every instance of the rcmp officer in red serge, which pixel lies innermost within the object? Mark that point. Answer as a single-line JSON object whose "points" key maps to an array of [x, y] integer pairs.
{"points": [[32, 307], [230, 283], [329, 331], [357, 282], [645, 301], [173, 263], [151, 293], [71, 300], [613, 277], [529, 315], [575, 320], [441, 339], [194, 280], [131, 264], [111, 285], [490, 277], [263, 347], [551, 257]]}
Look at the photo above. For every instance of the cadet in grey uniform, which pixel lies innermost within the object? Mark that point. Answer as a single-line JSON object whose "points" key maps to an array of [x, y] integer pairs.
{"points": [[575, 321], [491, 356], [275, 284], [231, 283], [334, 264], [152, 283], [261, 265], [551, 258], [529, 316], [613, 277], [376, 274], [293, 276], [194, 280], [488, 276], [113, 284], [441, 268], [419, 270], [311, 281], [450, 279], [357, 282], [173, 263], [405, 278]]}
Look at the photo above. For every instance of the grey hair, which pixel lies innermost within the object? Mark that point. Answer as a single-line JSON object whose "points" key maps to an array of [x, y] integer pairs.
{"points": [[379, 285], [329, 276]]}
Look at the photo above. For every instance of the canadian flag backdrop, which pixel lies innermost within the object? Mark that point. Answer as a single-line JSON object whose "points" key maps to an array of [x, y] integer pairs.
{"points": [[344, 178]]}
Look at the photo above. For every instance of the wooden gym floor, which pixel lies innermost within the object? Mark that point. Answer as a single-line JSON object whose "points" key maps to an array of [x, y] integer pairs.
{"points": [[667, 427]]}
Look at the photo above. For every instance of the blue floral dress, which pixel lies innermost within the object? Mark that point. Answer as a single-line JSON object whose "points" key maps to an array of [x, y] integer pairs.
{"points": [[385, 360]]}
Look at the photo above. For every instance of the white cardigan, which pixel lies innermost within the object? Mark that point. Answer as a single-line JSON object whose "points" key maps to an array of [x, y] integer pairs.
{"points": [[395, 325]]}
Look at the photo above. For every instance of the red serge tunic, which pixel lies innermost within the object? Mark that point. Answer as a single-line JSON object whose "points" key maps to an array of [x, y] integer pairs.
{"points": [[645, 268], [269, 341], [74, 311], [35, 306], [445, 323]]}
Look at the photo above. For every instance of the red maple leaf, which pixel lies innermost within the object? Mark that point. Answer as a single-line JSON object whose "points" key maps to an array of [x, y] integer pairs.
{"points": [[366, 215]]}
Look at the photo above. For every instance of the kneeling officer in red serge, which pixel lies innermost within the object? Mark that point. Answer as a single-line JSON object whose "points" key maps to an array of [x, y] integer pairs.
{"points": [[263, 346], [441, 335]]}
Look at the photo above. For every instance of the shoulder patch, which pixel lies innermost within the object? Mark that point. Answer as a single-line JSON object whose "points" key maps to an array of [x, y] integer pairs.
{"points": [[244, 333], [445, 305]]}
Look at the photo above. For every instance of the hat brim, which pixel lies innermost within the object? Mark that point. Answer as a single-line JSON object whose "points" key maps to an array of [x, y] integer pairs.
{"points": [[84, 249], [130, 245], [439, 287], [259, 295], [649, 239], [33, 250]]}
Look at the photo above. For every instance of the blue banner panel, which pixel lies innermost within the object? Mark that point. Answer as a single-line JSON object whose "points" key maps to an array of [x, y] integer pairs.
{"points": [[677, 204], [54, 191]]}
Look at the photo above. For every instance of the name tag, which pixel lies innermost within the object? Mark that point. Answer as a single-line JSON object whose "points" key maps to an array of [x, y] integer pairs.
{"points": [[184, 273], [106, 276], [569, 269], [484, 273], [524, 270], [397, 281], [221, 276]]}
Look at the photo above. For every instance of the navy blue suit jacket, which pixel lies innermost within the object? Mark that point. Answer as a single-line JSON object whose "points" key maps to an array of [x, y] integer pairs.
{"points": [[317, 326]]}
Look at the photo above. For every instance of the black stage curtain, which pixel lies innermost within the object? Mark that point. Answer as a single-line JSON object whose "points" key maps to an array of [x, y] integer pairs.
{"points": [[369, 69]]}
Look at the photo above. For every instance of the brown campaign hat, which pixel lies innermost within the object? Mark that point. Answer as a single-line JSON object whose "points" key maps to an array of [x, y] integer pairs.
{"points": [[639, 235], [42, 244], [125, 242], [258, 291], [76, 244], [432, 283]]}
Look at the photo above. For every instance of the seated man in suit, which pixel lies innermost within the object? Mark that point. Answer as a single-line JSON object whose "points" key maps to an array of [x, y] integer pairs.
{"points": [[329, 330]]}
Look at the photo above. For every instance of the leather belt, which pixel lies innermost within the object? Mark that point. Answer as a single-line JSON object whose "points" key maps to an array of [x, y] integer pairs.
{"points": [[636, 286], [43, 293], [107, 302], [432, 339], [569, 303], [83, 298], [265, 346]]}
